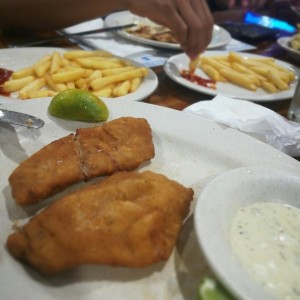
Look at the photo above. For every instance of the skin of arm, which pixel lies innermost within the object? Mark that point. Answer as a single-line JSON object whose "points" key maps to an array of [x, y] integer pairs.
{"points": [[190, 20]]}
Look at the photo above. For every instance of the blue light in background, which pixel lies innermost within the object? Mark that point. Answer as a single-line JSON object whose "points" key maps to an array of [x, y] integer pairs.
{"points": [[268, 22]]}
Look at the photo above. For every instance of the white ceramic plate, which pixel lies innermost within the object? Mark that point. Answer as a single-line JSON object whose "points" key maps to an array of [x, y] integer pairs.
{"points": [[216, 207], [220, 36], [18, 58], [284, 42], [178, 62], [188, 149]]}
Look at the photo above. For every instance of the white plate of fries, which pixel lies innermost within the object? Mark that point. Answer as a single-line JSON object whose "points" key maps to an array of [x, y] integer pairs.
{"points": [[44, 72], [220, 36], [238, 75]]}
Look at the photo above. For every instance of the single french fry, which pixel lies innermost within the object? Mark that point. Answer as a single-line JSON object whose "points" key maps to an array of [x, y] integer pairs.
{"points": [[100, 64], [269, 87], [81, 53], [211, 72], [263, 59], [236, 78], [115, 89], [235, 57], [41, 94], [241, 68], [276, 80], [105, 92], [110, 72], [41, 68], [14, 85], [57, 87], [94, 75], [214, 63], [70, 75], [99, 83], [23, 73], [81, 83], [55, 62], [123, 88], [34, 85], [70, 85], [193, 64], [135, 83], [220, 57], [262, 71]]}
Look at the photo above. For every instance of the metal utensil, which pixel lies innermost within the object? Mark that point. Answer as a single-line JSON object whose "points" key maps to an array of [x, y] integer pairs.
{"points": [[74, 35], [17, 118]]}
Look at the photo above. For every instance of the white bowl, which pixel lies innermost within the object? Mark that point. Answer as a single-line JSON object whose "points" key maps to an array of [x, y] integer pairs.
{"points": [[284, 42], [216, 207]]}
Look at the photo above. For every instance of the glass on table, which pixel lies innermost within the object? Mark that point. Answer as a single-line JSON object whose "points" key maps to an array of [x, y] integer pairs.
{"points": [[294, 109]]}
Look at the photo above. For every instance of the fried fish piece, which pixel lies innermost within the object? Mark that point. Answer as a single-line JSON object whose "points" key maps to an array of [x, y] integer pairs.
{"points": [[129, 219], [119, 145]]}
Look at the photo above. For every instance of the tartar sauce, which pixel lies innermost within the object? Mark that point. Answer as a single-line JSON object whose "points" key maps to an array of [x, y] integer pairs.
{"points": [[266, 239]]}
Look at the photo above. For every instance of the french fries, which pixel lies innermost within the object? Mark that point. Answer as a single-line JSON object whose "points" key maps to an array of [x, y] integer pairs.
{"points": [[250, 73], [193, 64], [97, 71]]}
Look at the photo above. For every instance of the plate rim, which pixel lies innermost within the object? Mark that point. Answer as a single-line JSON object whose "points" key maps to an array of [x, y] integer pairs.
{"points": [[212, 92]]}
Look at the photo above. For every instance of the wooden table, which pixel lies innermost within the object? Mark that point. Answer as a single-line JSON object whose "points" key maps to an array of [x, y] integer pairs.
{"points": [[172, 95]]}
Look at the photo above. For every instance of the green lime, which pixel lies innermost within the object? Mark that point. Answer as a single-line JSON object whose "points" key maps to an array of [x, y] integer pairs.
{"points": [[79, 105], [210, 289]]}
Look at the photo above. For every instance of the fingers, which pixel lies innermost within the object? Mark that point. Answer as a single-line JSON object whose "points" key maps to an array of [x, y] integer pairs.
{"points": [[189, 20], [199, 23]]}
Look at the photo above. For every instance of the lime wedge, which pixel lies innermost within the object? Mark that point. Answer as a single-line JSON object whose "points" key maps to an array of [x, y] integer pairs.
{"points": [[79, 105], [210, 289]]}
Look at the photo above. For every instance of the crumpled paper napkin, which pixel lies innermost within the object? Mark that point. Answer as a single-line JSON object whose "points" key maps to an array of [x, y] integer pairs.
{"points": [[253, 119]]}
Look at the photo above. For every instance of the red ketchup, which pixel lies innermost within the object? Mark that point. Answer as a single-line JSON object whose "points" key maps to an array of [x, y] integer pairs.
{"points": [[210, 83], [4, 76]]}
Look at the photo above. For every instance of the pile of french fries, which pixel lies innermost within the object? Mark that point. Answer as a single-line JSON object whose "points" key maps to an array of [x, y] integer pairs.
{"points": [[250, 73], [97, 71]]}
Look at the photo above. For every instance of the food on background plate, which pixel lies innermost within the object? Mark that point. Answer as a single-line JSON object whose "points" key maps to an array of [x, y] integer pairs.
{"points": [[130, 219], [79, 105], [295, 41], [96, 71], [153, 32], [119, 145], [250, 73]]}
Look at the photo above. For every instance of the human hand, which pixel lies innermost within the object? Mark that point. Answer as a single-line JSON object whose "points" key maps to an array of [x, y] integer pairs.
{"points": [[189, 20]]}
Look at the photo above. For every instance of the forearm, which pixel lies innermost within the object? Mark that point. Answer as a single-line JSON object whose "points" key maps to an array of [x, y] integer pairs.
{"points": [[44, 15]]}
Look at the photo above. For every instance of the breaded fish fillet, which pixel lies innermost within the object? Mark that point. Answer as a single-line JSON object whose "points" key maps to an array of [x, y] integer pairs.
{"points": [[120, 145], [129, 219]]}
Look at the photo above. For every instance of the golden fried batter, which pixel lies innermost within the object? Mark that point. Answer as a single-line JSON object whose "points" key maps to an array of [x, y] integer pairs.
{"points": [[129, 219], [120, 145]]}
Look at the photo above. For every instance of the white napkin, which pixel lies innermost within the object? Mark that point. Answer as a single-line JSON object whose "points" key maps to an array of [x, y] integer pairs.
{"points": [[252, 119]]}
